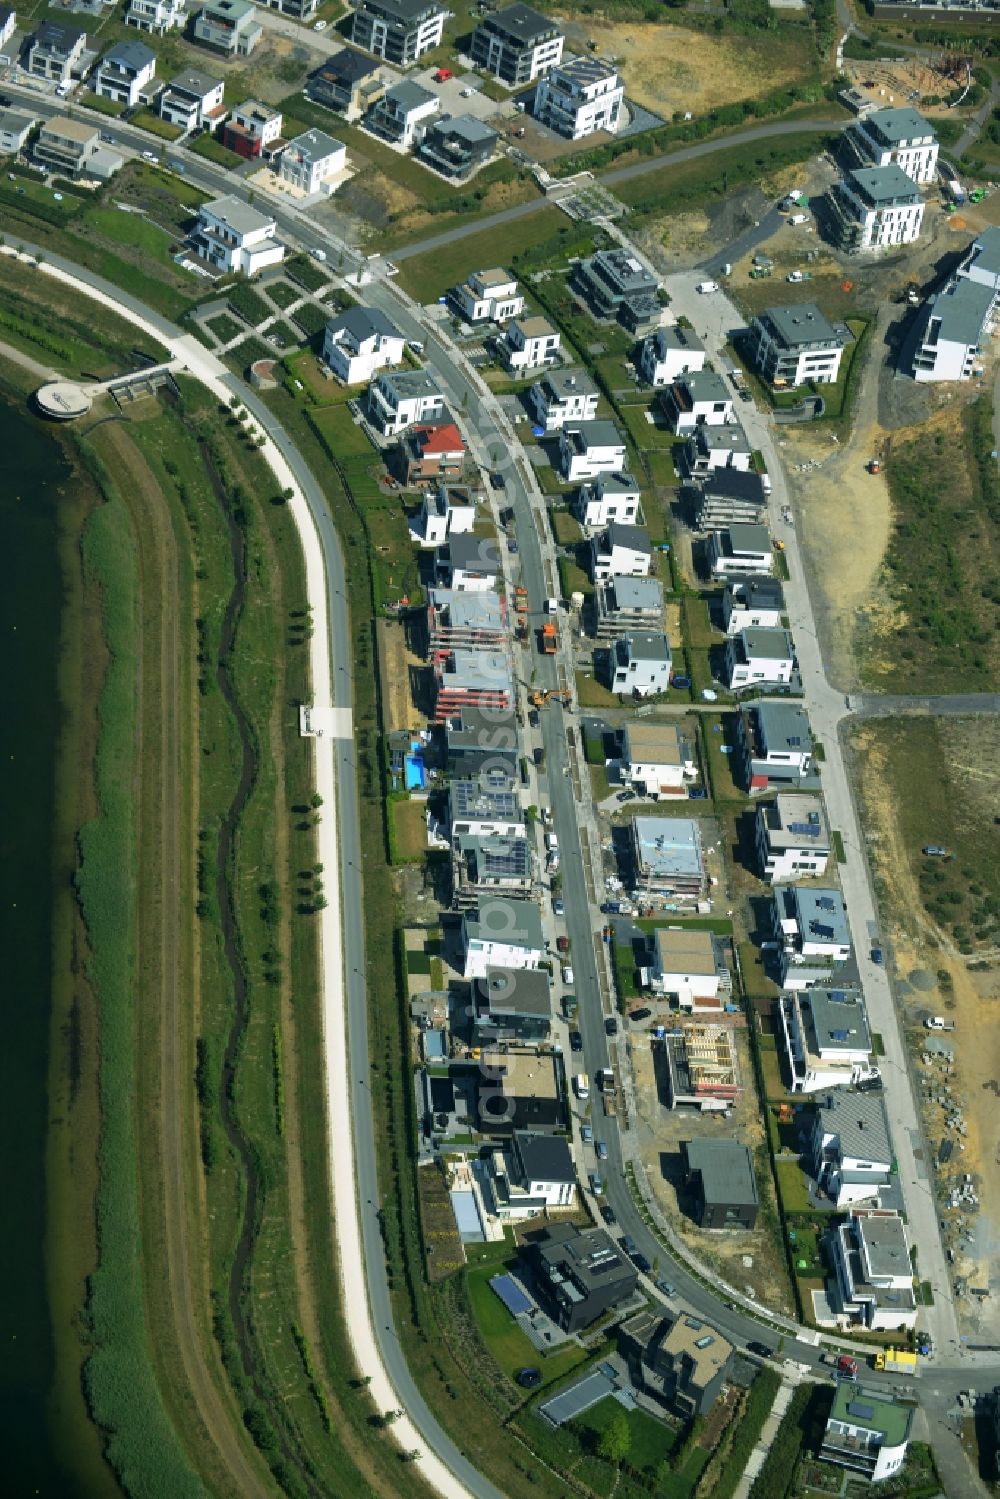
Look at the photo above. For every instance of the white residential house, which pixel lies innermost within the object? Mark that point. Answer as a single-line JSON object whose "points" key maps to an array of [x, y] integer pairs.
{"points": [[401, 115], [444, 512], [502, 933], [252, 129], [579, 96], [124, 71], [759, 658], [399, 31], [669, 353], [641, 664], [561, 396], [531, 342], [311, 161], [871, 1258], [469, 564], [234, 236], [740, 551], [709, 448], [773, 747], [752, 603], [156, 16], [697, 399], [14, 131], [229, 26], [610, 497], [622, 551], [55, 52], [876, 208], [811, 926], [516, 45], [488, 297], [796, 344], [588, 449], [901, 136], [360, 342], [961, 316], [792, 837], [852, 1154], [827, 1039], [398, 399], [628, 604], [531, 1175], [484, 806], [688, 968], [867, 1432], [8, 24], [657, 759], [193, 101]]}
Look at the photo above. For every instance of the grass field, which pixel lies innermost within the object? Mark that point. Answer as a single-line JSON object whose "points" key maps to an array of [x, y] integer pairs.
{"points": [[428, 276], [673, 188], [409, 822], [48, 322], [502, 1336]]}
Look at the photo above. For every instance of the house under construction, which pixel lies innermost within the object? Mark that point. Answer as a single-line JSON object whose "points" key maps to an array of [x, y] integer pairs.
{"points": [[702, 1068]]}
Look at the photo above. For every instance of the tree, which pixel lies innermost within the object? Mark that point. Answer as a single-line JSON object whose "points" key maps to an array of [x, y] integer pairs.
{"points": [[616, 1439]]}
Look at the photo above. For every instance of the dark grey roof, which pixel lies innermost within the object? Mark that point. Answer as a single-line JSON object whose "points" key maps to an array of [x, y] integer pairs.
{"points": [[596, 434], [544, 1157], [745, 536], [676, 337], [731, 483], [636, 538], [464, 128], [726, 1170], [193, 82], [466, 550], [757, 593], [783, 726], [884, 185], [986, 247], [54, 36], [409, 95], [558, 385], [962, 309], [800, 326], [896, 125], [643, 645], [839, 1018], [348, 66], [521, 23], [591, 1257], [860, 1122], [402, 10], [129, 55], [515, 991]]}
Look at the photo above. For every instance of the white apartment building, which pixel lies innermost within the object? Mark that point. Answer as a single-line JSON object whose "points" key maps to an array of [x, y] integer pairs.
{"points": [[531, 1175], [827, 1040], [611, 497], [312, 160], [588, 449], [530, 343], [687, 967], [740, 551], [792, 345], [753, 603], [792, 837], [8, 24], [877, 208], [622, 551], [561, 396], [397, 400], [774, 746], [14, 131], [641, 664], [234, 236], [156, 16], [852, 1152], [709, 448], [502, 933], [901, 136], [55, 52], [960, 317], [866, 1432], [871, 1257], [360, 342], [669, 353], [759, 658], [488, 297], [697, 399], [811, 926], [124, 71], [579, 96]]}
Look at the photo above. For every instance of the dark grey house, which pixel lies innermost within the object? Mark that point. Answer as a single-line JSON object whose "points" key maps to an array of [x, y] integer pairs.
{"points": [[517, 45], [681, 1360], [512, 1004], [579, 1276], [455, 145], [482, 740], [720, 1175], [617, 285]]}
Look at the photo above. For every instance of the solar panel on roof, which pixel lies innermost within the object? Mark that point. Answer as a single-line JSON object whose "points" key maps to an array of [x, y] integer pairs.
{"points": [[805, 829], [839, 1035], [510, 1294], [863, 1412]]}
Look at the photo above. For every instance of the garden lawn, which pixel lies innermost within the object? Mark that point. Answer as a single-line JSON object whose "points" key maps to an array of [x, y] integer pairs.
{"points": [[505, 1340]]}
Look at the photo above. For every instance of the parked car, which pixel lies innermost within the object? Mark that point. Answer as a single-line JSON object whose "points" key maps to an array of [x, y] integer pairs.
{"points": [[529, 1379], [680, 682], [150, 156], [586, 1133], [601, 1150], [596, 1185], [608, 1213], [641, 1014], [625, 796], [762, 1350], [497, 480], [877, 957], [629, 1245], [320, 25], [640, 1262], [575, 1041], [562, 944], [567, 975], [611, 1026], [511, 544], [697, 793], [665, 1288], [558, 906]]}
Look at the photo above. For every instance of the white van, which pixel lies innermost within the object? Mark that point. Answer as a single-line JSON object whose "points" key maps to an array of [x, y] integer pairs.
{"points": [[581, 1085], [567, 976], [798, 218], [317, 254], [706, 286]]}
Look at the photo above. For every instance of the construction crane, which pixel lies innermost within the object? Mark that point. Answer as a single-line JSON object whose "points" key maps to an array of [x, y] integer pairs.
{"points": [[539, 699]]}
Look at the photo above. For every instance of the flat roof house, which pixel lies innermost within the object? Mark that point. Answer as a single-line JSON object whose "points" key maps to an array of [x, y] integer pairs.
{"points": [[759, 658], [669, 353], [512, 1005], [348, 81], [55, 51], [876, 208], [587, 449], [773, 746], [792, 837], [720, 1175], [811, 924], [67, 146], [230, 26], [234, 236], [311, 161], [468, 563], [299, 10], [627, 604], [956, 324], [894, 135], [193, 100], [399, 31], [156, 16], [400, 116], [679, 1360], [124, 71], [471, 677], [465, 621], [482, 741], [580, 1275], [567, 394], [667, 859], [697, 399], [871, 1259], [739, 550], [519, 1088], [866, 1432], [611, 497], [493, 865], [487, 803], [751, 602], [726, 496], [827, 1040], [618, 285], [359, 342], [14, 131], [688, 968], [251, 129], [398, 399], [516, 45], [446, 511], [457, 145], [530, 343], [489, 296], [622, 551], [709, 448], [656, 759], [532, 1174], [793, 345], [641, 663], [502, 933], [579, 96], [852, 1154]]}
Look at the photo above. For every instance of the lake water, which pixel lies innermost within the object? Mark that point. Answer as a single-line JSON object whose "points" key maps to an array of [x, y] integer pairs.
{"points": [[31, 597]]}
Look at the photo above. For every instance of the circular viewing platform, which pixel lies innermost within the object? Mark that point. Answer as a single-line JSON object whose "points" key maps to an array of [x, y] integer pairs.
{"points": [[63, 401]]}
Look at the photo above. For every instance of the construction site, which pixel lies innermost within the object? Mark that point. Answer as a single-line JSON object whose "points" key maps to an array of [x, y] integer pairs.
{"points": [[929, 86]]}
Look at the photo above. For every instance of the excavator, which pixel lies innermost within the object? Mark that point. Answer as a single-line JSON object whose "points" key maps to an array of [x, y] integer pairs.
{"points": [[539, 699]]}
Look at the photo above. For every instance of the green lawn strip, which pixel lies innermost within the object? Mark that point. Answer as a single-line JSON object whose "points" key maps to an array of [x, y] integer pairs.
{"points": [[39, 201], [512, 1348], [141, 1444], [527, 243], [213, 150], [719, 924], [46, 321], [745, 1434], [281, 294], [837, 843], [104, 106], [671, 188], [133, 230], [792, 1187], [153, 123]]}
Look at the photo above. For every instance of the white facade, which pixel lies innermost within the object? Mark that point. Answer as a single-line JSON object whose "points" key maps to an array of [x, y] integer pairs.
{"points": [[669, 353], [827, 1039], [641, 664], [192, 101], [502, 934], [759, 658], [611, 497], [440, 518], [741, 550], [896, 135], [236, 237], [531, 342], [580, 96], [8, 25], [395, 402], [710, 447], [156, 16], [657, 758], [790, 346], [871, 1257], [757, 603], [14, 131], [359, 343], [311, 160], [878, 208], [961, 316], [792, 838], [561, 396], [686, 965], [858, 1440], [698, 399], [589, 449], [525, 1178], [852, 1151], [488, 297], [124, 72], [623, 551]]}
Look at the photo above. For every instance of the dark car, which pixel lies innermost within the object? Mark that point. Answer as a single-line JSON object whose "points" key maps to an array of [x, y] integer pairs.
{"points": [[697, 793], [625, 796], [611, 1026], [745, 395], [877, 957], [608, 1214], [640, 1014], [762, 1350], [497, 480], [575, 1041], [681, 682], [665, 1288], [529, 1379], [511, 544], [640, 1262], [629, 1245]]}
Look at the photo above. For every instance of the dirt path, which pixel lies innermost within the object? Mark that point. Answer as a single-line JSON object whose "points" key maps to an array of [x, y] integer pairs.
{"points": [[165, 951]]}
